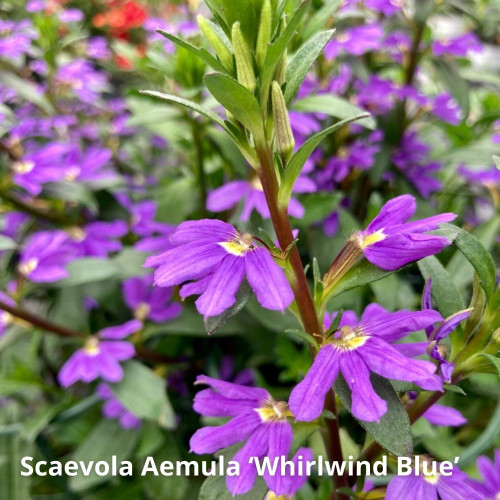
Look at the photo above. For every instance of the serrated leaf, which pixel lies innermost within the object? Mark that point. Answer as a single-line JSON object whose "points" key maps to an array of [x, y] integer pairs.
{"points": [[302, 61], [298, 160], [213, 323], [238, 100], [393, 431], [144, 393], [199, 52], [335, 106]]}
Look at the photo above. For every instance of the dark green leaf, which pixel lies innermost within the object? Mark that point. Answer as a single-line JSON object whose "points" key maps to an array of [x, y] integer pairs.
{"points": [[203, 54], [334, 106], [213, 323], [493, 360], [144, 393], [453, 81], [74, 192], [13, 447], [393, 431], [302, 61], [298, 160], [318, 206]]}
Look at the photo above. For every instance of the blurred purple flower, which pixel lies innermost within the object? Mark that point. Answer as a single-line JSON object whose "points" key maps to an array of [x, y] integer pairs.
{"points": [[386, 7], [376, 96], [16, 38], [358, 348], [446, 109], [215, 254], [5, 317], [70, 15], [255, 417], [98, 239], [444, 416], [459, 46], [45, 257], [114, 409], [356, 41], [231, 193], [148, 302], [100, 358], [97, 48], [490, 472], [93, 164], [489, 177]]}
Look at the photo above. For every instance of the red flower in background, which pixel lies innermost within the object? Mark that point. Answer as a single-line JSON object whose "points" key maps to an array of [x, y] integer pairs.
{"points": [[122, 16]]}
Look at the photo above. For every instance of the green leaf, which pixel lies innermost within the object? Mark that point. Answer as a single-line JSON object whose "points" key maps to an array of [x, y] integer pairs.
{"points": [[480, 259], [392, 432], [238, 100], [276, 50], [88, 270], [27, 90], [302, 61], [423, 9], [493, 360], [454, 83], [317, 21], [304, 336], [318, 206], [7, 243], [213, 323], [298, 160], [201, 53], [106, 439], [496, 161], [74, 192], [144, 393], [13, 447], [334, 106]]}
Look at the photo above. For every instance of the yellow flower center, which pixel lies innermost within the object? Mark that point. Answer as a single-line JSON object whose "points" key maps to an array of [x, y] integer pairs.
{"points": [[274, 411], [91, 346], [141, 311], [365, 240], [431, 478], [23, 167], [28, 266], [76, 233], [256, 184], [72, 173], [349, 339], [5, 318], [239, 246]]}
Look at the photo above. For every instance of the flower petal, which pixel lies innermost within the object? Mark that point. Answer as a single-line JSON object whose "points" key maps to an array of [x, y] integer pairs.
{"points": [[444, 415], [395, 211], [367, 405], [203, 231], [212, 404], [280, 441], [227, 196], [267, 280], [410, 488], [307, 398], [121, 331], [230, 390]]}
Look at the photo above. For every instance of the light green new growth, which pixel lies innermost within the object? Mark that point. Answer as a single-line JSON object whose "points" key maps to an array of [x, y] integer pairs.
{"points": [[244, 63], [218, 45], [264, 36], [285, 141]]}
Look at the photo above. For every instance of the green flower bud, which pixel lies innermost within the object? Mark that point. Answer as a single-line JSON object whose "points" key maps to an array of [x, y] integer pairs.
{"points": [[264, 36], [285, 141], [221, 49], [244, 63]]}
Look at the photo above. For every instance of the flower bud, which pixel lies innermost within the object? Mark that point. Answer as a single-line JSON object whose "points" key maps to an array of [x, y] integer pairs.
{"points": [[215, 41], [280, 74], [284, 136], [264, 36], [244, 63]]}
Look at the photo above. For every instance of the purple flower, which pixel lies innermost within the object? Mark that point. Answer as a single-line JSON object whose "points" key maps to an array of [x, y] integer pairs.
{"points": [[459, 46], [358, 348], [41, 166], [16, 38], [387, 7], [92, 165], [377, 95], [98, 239], [255, 418], [435, 335], [446, 109], [390, 242], [45, 257], [97, 48], [215, 254], [148, 302], [428, 487], [70, 15], [489, 177], [496, 135], [356, 41], [114, 409], [444, 416], [490, 471], [100, 358], [412, 160], [228, 196]]}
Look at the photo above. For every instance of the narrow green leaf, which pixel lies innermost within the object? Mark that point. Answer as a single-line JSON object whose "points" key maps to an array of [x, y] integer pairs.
{"points": [[493, 360], [27, 90], [144, 393], [106, 439], [7, 243], [199, 52], [304, 336], [276, 50], [480, 259], [319, 18], [302, 61], [13, 447], [392, 432], [453, 81], [298, 160], [239, 101], [213, 323], [334, 106]]}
